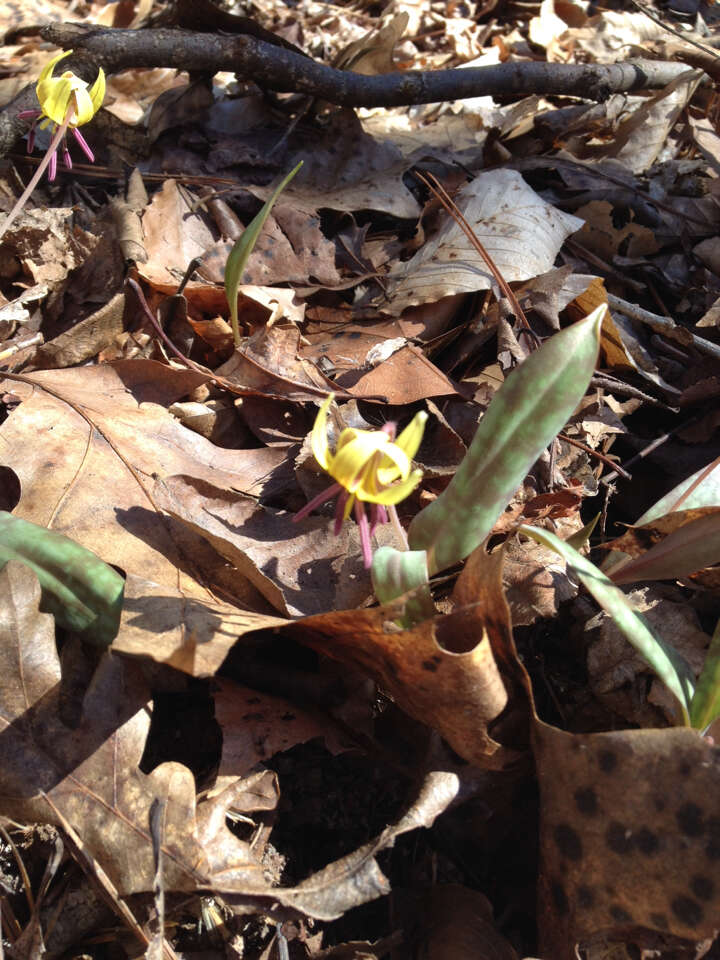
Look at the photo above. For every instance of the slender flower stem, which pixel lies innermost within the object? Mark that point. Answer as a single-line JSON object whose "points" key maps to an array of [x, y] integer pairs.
{"points": [[395, 520], [44, 163]]}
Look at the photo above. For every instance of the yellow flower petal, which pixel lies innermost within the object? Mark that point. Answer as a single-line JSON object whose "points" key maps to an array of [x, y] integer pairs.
{"points": [[318, 441], [411, 437], [350, 464], [57, 95], [395, 493], [50, 66], [97, 91]]}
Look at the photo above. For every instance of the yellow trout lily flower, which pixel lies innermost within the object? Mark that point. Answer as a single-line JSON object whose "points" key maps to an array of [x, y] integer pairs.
{"points": [[65, 102], [368, 466], [57, 94]]}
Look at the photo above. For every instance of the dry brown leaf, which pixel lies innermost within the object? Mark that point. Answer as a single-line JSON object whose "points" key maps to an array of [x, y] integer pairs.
{"points": [[639, 139], [441, 671], [450, 921], [76, 483], [173, 236], [300, 568], [91, 774], [347, 169], [257, 725], [602, 237], [406, 376], [190, 634], [269, 364], [290, 249], [619, 676], [521, 232]]}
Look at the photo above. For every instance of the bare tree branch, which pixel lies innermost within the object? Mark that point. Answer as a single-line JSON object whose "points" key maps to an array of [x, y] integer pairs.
{"points": [[275, 68]]}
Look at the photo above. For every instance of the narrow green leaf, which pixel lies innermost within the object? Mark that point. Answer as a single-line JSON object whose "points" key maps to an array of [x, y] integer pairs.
{"points": [[526, 413], [705, 706], [240, 253], [686, 550], [83, 593], [398, 572], [706, 494], [667, 663], [579, 539]]}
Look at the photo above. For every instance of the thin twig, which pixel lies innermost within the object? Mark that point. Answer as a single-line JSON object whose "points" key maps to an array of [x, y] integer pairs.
{"points": [[662, 325]]}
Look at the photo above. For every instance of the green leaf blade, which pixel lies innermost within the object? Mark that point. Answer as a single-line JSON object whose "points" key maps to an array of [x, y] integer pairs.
{"points": [[667, 663], [705, 706], [240, 253], [524, 416], [83, 593]]}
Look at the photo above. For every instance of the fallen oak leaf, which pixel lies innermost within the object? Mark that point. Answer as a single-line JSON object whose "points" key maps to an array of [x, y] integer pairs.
{"points": [[91, 773]]}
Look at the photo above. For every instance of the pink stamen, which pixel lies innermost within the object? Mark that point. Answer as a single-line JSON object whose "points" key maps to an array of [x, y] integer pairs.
{"points": [[52, 166], [389, 428], [327, 494], [27, 114], [362, 522], [84, 145], [67, 159], [340, 512]]}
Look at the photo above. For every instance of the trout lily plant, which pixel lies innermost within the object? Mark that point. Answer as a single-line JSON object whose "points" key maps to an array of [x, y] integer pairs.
{"points": [[369, 467], [66, 102]]}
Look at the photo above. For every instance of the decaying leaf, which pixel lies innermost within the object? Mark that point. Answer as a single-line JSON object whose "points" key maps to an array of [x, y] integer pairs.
{"points": [[520, 231], [91, 773], [630, 836]]}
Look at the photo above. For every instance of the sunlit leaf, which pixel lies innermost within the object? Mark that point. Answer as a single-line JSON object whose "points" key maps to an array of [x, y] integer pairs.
{"points": [[705, 706], [690, 548], [524, 416]]}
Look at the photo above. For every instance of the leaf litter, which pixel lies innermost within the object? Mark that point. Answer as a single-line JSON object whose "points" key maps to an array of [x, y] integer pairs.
{"points": [[512, 720]]}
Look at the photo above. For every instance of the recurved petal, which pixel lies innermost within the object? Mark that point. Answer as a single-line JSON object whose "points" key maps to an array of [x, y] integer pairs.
{"points": [[395, 463], [84, 107], [97, 91], [411, 437], [50, 66], [395, 493], [318, 440]]}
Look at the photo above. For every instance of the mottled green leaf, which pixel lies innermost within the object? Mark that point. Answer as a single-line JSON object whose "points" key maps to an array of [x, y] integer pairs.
{"points": [[82, 592], [528, 411], [667, 663]]}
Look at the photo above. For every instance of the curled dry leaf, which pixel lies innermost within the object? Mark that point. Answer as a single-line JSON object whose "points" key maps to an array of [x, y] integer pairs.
{"points": [[442, 671]]}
